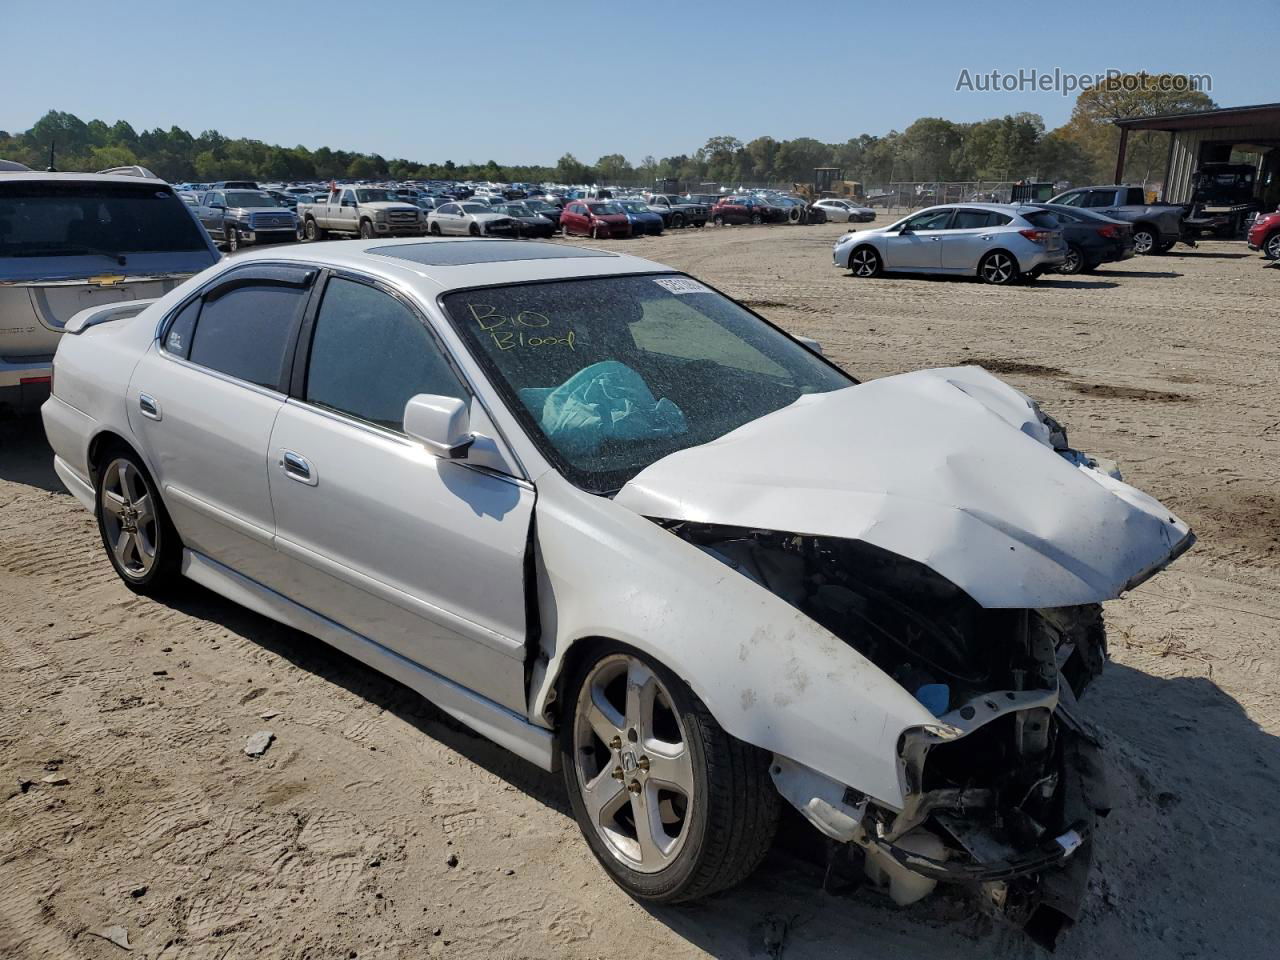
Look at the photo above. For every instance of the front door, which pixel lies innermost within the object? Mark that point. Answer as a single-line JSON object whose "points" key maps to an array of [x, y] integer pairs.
{"points": [[203, 401], [919, 245], [421, 555]]}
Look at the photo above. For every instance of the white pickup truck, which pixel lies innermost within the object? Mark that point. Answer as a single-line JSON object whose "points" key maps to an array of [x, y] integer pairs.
{"points": [[360, 211]]}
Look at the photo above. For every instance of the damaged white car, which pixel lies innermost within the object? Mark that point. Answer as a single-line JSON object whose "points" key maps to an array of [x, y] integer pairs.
{"points": [[618, 523]]}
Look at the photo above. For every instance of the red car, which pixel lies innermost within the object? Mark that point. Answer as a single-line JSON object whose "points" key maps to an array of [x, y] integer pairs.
{"points": [[595, 218], [1264, 235], [745, 210]]}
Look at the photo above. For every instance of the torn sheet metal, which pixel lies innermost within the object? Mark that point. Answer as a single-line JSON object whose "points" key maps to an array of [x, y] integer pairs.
{"points": [[951, 468]]}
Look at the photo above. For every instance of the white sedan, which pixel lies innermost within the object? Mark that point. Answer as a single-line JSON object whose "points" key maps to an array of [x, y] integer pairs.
{"points": [[469, 218], [845, 211], [621, 525]]}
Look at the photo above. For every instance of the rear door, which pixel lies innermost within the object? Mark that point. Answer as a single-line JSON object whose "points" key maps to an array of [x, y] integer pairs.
{"points": [[969, 236], [920, 248], [422, 555], [203, 400]]}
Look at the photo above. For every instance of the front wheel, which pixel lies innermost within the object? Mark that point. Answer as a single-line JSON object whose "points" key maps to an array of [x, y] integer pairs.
{"points": [[865, 262], [1271, 249], [366, 230], [998, 268], [672, 806], [434, 230], [1074, 261], [474, 230], [718, 220], [677, 221], [232, 238], [756, 219], [139, 538]]}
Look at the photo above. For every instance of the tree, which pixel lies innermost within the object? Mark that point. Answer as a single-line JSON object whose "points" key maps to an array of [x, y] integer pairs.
{"points": [[613, 168], [361, 168], [570, 170]]}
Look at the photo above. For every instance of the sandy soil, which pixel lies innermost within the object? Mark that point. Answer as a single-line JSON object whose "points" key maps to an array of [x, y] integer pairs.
{"points": [[336, 842]]}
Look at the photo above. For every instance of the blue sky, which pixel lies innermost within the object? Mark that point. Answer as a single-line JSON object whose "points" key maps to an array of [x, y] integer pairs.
{"points": [[524, 82]]}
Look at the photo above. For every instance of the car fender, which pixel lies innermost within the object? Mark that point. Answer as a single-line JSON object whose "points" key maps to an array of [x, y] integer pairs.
{"points": [[769, 675]]}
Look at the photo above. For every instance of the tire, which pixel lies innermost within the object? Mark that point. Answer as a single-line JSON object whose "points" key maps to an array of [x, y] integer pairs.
{"points": [[854, 219], [865, 262], [366, 230], [141, 542], [1074, 263], [434, 230], [1166, 246], [793, 215], [665, 754], [232, 240], [756, 219], [998, 268], [474, 230], [1145, 239], [718, 220], [1271, 246], [677, 221], [315, 231], [595, 232]]}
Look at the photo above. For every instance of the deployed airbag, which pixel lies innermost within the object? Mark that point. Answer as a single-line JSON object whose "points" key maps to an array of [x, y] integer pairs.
{"points": [[607, 400]]}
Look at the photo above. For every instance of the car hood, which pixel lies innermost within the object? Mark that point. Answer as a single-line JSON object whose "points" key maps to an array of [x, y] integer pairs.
{"points": [[390, 205], [951, 468]]}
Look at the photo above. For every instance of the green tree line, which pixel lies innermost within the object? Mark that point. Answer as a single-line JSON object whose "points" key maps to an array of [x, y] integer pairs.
{"points": [[1011, 147]]}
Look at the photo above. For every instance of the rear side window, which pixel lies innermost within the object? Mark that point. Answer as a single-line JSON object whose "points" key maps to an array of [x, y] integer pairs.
{"points": [[1043, 219], [178, 339], [976, 219], [370, 353], [43, 219], [246, 333], [1136, 196], [1100, 198]]}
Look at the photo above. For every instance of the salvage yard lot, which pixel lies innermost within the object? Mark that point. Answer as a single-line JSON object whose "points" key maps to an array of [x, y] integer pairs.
{"points": [[337, 842]]}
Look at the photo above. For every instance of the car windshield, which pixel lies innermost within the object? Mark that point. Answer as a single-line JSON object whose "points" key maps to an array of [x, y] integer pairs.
{"points": [[42, 219], [611, 374], [477, 208], [377, 196], [633, 206], [517, 210], [604, 209], [251, 198], [540, 206]]}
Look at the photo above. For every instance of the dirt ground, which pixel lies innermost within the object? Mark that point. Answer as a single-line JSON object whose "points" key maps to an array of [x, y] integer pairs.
{"points": [[336, 842]]}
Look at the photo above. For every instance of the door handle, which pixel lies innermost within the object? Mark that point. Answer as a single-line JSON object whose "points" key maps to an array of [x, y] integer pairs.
{"points": [[147, 404], [297, 468], [935, 239]]}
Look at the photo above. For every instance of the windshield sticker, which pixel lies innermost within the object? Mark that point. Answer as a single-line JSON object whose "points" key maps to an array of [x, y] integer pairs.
{"points": [[682, 285], [519, 330]]}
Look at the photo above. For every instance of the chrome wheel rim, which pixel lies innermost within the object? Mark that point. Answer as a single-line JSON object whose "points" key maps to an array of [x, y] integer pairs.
{"points": [[129, 518], [1072, 263], [1273, 247], [863, 263], [998, 268], [1143, 242], [633, 765]]}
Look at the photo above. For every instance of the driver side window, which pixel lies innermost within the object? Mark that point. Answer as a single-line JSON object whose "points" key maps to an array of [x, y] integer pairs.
{"points": [[930, 220]]}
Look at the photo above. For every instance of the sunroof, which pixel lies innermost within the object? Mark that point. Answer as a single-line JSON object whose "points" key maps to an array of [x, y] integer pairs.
{"points": [[454, 253]]}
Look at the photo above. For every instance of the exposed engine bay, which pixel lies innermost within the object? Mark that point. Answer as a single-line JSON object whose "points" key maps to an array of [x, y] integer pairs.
{"points": [[1002, 793]]}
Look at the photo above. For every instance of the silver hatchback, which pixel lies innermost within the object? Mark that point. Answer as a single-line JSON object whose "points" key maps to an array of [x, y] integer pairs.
{"points": [[999, 243]]}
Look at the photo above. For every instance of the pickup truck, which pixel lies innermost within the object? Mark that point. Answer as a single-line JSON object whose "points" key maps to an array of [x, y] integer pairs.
{"points": [[361, 211], [1156, 226], [676, 211], [235, 216]]}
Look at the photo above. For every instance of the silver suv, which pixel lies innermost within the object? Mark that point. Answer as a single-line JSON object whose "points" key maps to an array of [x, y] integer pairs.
{"points": [[999, 243], [72, 240]]}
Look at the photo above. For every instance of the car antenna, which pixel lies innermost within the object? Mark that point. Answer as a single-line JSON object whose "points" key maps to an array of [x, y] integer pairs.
{"points": [[52, 168]]}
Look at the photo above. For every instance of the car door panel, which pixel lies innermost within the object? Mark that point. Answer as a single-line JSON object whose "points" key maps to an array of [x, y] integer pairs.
{"points": [[920, 250]]}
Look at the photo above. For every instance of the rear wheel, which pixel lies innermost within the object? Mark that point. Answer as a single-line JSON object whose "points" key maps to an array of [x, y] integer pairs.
{"points": [[1074, 261], [755, 218], [315, 231], [1271, 248], [139, 538], [718, 220], [999, 268], [865, 262], [1144, 239], [672, 806], [1166, 246]]}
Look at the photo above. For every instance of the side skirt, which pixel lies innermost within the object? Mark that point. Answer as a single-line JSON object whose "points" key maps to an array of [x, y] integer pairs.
{"points": [[533, 743]]}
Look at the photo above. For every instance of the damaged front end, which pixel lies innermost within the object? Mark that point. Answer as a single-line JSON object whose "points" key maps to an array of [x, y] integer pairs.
{"points": [[1001, 793]]}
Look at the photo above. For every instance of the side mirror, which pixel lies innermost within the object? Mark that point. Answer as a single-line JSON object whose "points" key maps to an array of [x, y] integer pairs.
{"points": [[441, 424], [904, 230], [217, 206], [812, 344]]}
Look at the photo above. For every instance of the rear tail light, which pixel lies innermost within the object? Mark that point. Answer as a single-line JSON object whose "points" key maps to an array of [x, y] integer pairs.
{"points": [[1037, 236], [1107, 230], [25, 381]]}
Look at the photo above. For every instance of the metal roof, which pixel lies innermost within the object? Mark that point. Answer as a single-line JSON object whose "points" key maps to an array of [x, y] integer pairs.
{"points": [[1260, 113]]}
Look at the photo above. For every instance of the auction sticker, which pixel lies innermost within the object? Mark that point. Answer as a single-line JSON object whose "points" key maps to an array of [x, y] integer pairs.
{"points": [[682, 285]]}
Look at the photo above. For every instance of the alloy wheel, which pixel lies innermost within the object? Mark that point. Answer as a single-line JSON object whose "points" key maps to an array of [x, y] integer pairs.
{"points": [[1273, 246], [1143, 241], [1073, 261], [998, 268], [129, 518], [634, 767], [863, 263]]}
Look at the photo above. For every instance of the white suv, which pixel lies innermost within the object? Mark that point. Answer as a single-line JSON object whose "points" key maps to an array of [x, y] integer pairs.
{"points": [[70, 241], [999, 243]]}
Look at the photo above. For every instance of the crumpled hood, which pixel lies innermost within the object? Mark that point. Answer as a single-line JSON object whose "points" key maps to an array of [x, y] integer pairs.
{"points": [[952, 468]]}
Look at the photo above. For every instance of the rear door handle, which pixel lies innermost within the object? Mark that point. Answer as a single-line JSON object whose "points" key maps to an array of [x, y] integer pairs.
{"points": [[147, 404], [297, 468]]}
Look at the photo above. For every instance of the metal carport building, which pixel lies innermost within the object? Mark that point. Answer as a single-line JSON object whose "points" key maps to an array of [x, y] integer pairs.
{"points": [[1210, 136]]}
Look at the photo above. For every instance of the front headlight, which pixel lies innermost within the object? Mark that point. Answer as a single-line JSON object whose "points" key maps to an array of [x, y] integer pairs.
{"points": [[380, 216]]}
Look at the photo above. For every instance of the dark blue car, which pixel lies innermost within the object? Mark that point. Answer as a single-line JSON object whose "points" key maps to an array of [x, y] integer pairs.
{"points": [[643, 220]]}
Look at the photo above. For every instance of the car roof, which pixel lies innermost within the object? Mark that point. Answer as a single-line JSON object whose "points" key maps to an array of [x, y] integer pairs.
{"points": [[438, 265], [37, 176]]}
